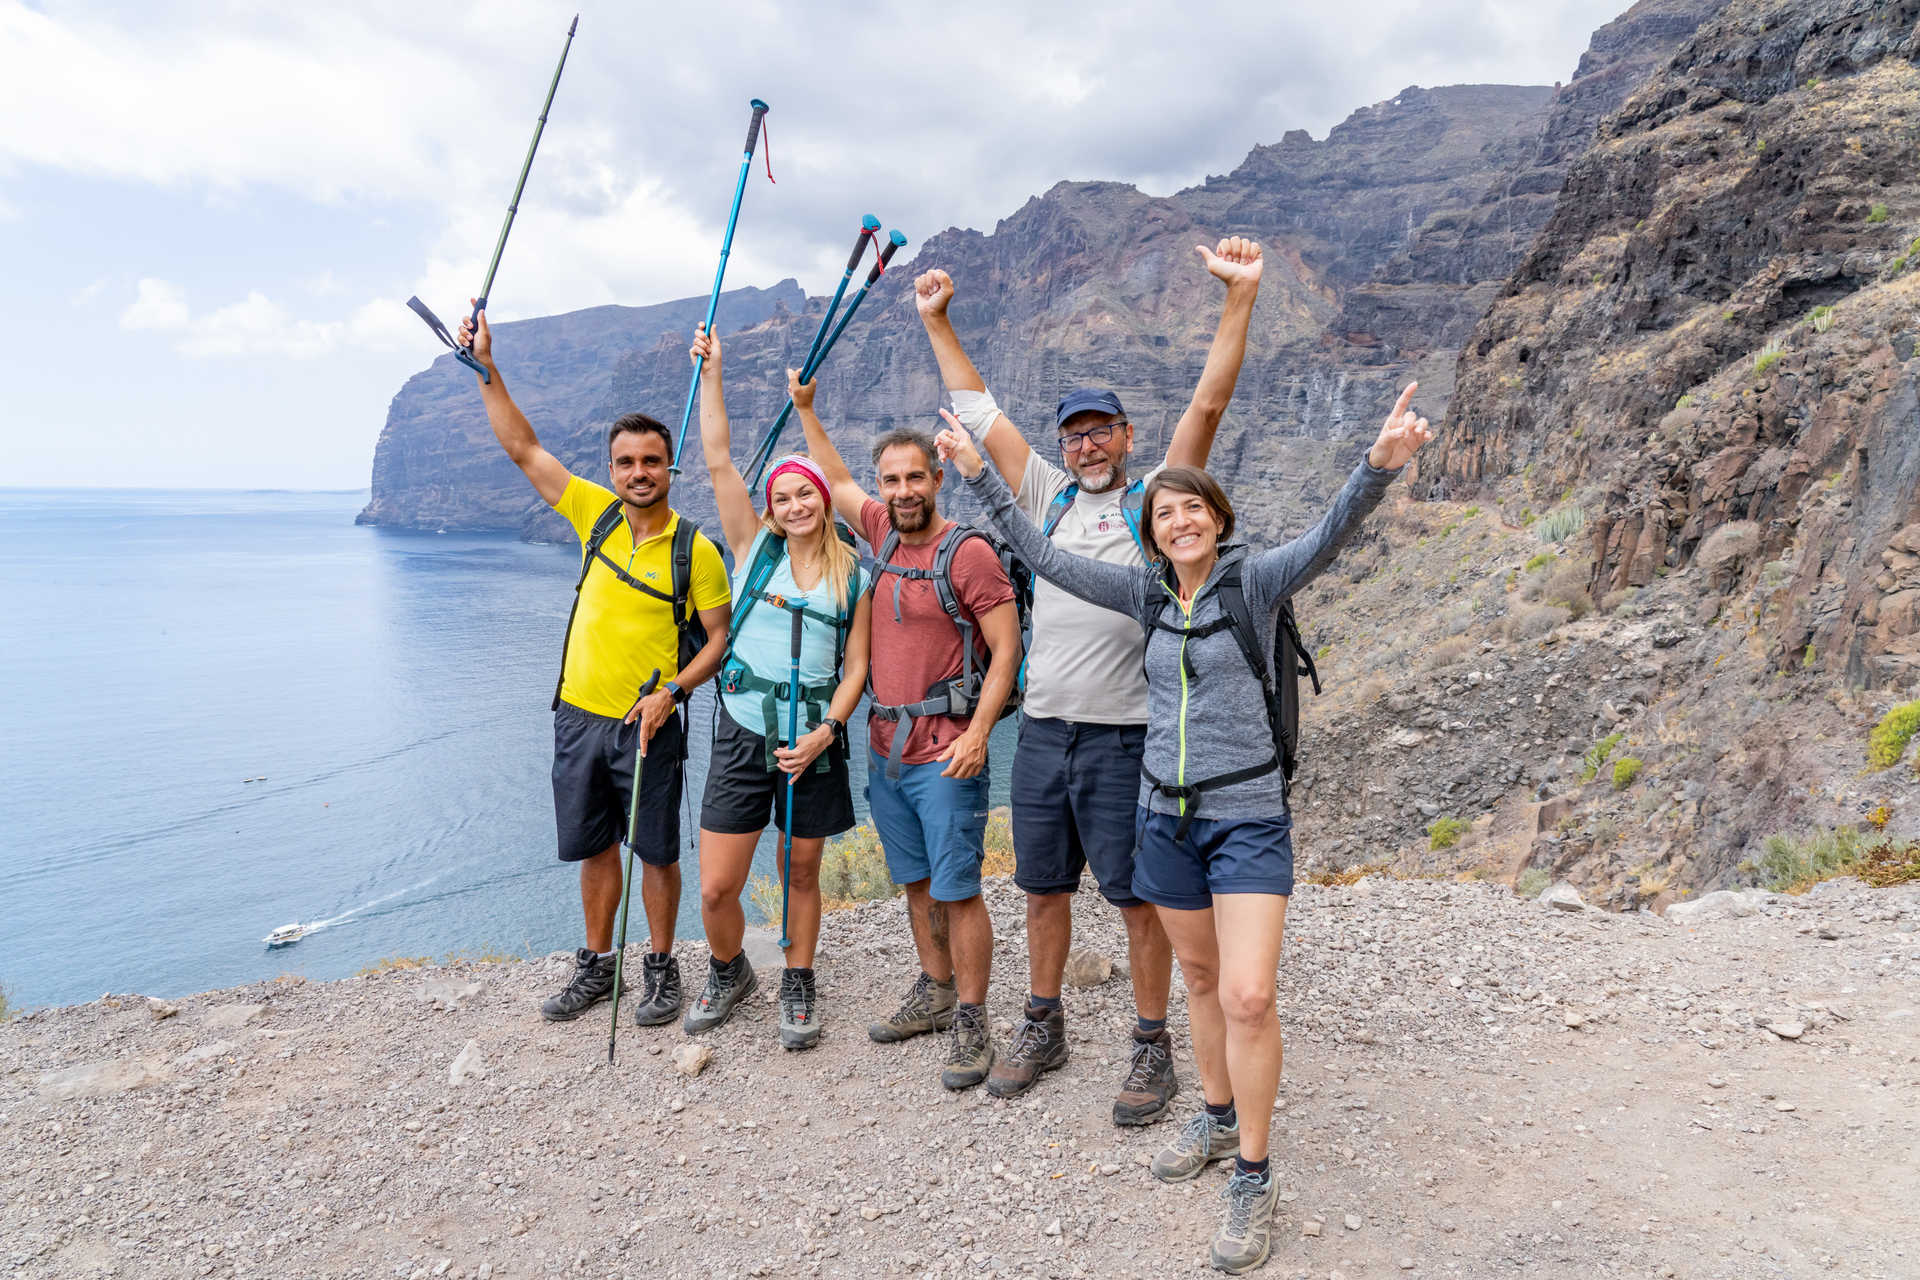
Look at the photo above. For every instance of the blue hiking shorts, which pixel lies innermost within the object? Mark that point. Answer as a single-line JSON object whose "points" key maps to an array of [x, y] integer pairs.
{"points": [[1074, 792], [932, 828], [1233, 855]]}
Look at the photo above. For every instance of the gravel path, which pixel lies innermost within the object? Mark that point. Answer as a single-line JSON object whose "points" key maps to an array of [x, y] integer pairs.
{"points": [[1475, 1086]]}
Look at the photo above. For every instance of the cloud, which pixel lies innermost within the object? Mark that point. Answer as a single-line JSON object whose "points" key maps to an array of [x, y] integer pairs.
{"points": [[87, 295], [157, 306]]}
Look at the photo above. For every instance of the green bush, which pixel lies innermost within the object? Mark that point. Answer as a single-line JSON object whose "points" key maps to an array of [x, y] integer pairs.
{"points": [[1888, 741], [1794, 865], [1540, 561], [1596, 756], [1625, 770], [1445, 832], [1684, 402], [1769, 356], [1822, 319], [1561, 523], [1532, 883], [1879, 213]]}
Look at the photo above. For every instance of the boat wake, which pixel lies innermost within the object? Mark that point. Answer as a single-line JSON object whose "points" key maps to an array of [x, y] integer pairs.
{"points": [[293, 933]]}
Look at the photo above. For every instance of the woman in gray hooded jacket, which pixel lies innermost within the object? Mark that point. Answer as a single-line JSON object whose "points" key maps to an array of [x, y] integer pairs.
{"points": [[1214, 853]]}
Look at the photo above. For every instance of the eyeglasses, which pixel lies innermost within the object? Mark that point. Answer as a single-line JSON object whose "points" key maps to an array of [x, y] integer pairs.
{"points": [[1078, 440]]}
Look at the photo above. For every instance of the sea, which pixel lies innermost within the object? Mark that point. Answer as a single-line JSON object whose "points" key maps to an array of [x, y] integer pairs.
{"points": [[227, 711]]}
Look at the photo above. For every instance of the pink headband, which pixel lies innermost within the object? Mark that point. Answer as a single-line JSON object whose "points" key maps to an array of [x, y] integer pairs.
{"points": [[805, 466]]}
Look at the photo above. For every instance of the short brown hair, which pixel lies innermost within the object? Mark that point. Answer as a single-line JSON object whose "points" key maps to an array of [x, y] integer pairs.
{"points": [[1191, 480], [908, 436]]}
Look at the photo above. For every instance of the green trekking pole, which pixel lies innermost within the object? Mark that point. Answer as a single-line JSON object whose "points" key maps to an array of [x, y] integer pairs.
{"points": [[626, 892]]}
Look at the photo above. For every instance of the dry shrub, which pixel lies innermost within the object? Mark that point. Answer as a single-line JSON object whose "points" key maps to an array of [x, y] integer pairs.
{"points": [[1533, 621], [1614, 601], [1448, 652], [1568, 586], [1888, 864]]}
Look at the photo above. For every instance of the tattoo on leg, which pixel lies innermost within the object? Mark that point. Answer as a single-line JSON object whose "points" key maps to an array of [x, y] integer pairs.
{"points": [[937, 923]]}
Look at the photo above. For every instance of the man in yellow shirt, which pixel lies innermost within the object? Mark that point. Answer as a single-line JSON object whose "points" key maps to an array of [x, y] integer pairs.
{"points": [[635, 610]]}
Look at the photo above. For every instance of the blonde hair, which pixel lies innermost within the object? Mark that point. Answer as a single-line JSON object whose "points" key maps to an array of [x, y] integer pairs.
{"points": [[836, 557]]}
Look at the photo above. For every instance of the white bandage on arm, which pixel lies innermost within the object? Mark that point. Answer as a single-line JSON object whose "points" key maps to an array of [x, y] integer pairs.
{"points": [[976, 411]]}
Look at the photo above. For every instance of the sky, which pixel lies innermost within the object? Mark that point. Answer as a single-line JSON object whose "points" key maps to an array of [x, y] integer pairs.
{"points": [[212, 214]]}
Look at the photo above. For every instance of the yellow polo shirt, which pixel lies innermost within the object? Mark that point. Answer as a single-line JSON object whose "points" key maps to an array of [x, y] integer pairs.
{"points": [[620, 635]]}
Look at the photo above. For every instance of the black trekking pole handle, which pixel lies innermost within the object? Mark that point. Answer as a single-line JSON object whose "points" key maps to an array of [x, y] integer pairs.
{"points": [[869, 228], [753, 124], [895, 240]]}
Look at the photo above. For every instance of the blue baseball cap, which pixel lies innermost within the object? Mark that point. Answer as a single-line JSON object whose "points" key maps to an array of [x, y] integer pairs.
{"points": [[1087, 400]]}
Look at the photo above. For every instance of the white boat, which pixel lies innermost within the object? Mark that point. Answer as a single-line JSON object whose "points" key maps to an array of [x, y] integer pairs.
{"points": [[285, 934]]}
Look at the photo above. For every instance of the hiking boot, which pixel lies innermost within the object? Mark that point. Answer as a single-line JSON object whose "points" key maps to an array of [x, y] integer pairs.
{"points": [[798, 1030], [1198, 1144], [971, 1055], [659, 992], [1246, 1234], [928, 1007], [591, 983], [1148, 1090], [727, 986], [1039, 1045]]}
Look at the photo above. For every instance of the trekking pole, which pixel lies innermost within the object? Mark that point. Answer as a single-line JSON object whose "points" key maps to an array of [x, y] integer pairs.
{"points": [[869, 227], [626, 893], [464, 353], [764, 453], [726, 247], [793, 738]]}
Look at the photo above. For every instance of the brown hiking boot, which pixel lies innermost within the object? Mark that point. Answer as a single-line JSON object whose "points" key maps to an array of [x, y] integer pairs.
{"points": [[972, 1053], [928, 1007], [1149, 1087], [1039, 1046]]}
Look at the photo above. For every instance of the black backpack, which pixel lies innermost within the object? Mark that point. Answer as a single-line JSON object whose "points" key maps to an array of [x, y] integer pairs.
{"points": [[1279, 679], [957, 694], [693, 633]]}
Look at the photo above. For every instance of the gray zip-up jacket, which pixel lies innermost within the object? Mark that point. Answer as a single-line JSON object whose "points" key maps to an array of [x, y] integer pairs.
{"points": [[1213, 721]]}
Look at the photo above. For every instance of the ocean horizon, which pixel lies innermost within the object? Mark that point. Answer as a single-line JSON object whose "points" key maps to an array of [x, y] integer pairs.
{"points": [[235, 709]]}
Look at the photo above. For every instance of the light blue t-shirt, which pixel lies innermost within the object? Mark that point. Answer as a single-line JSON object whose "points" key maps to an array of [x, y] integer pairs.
{"points": [[765, 642]]}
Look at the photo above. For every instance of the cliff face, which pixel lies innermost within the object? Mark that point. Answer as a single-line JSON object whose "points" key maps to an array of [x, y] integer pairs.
{"points": [[437, 465], [1385, 243]]}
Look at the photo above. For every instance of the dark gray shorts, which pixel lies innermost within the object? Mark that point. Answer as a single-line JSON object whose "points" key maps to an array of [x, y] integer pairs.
{"points": [[1074, 791], [742, 792], [593, 785]]}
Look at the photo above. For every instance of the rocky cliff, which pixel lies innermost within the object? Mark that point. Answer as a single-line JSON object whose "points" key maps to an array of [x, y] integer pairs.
{"points": [[1386, 242]]}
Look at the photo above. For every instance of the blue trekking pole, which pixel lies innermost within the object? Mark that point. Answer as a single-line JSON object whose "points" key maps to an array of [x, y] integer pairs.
{"points": [[726, 247], [793, 737], [764, 453], [869, 227], [464, 354], [626, 894]]}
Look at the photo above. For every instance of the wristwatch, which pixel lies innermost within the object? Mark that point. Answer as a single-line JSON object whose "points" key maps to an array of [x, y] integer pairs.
{"points": [[679, 695], [839, 727]]}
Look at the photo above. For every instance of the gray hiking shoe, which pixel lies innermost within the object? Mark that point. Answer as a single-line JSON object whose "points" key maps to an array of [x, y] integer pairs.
{"points": [[1246, 1234], [1198, 1144], [928, 1007], [1150, 1085], [971, 1055], [1039, 1045], [726, 988], [798, 1028], [659, 992], [591, 983]]}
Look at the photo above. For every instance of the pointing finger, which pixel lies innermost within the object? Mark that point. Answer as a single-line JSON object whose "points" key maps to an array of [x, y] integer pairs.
{"points": [[1406, 398]]}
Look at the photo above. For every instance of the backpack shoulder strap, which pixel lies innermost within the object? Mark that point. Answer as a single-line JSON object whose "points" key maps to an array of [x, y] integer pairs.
{"points": [[1131, 503], [1233, 600], [684, 532], [1058, 508], [763, 557], [603, 526]]}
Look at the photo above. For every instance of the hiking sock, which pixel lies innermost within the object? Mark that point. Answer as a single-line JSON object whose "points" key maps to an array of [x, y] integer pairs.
{"points": [[806, 974], [608, 955], [1046, 1004], [1223, 1115], [658, 958], [1251, 1168], [1148, 1028]]}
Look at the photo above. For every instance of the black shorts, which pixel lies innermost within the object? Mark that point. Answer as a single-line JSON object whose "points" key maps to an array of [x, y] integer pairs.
{"points": [[1075, 787], [742, 792], [593, 785]]}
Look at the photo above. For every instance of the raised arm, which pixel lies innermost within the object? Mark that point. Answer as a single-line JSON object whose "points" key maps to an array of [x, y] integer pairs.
{"points": [[1119, 587], [932, 291], [738, 523], [1281, 571], [1236, 263], [848, 497], [510, 426]]}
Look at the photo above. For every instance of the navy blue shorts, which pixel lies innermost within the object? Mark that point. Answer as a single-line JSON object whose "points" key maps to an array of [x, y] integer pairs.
{"points": [[593, 784], [1075, 787], [1233, 855]]}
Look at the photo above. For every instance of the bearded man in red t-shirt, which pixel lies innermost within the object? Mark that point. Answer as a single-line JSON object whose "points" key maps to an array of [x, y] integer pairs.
{"points": [[927, 767]]}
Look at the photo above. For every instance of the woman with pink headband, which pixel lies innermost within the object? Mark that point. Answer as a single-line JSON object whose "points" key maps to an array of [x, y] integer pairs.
{"points": [[789, 566]]}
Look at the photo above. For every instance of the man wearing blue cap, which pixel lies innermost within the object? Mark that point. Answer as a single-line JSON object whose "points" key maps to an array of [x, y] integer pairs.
{"points": [[1076, 772]]}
